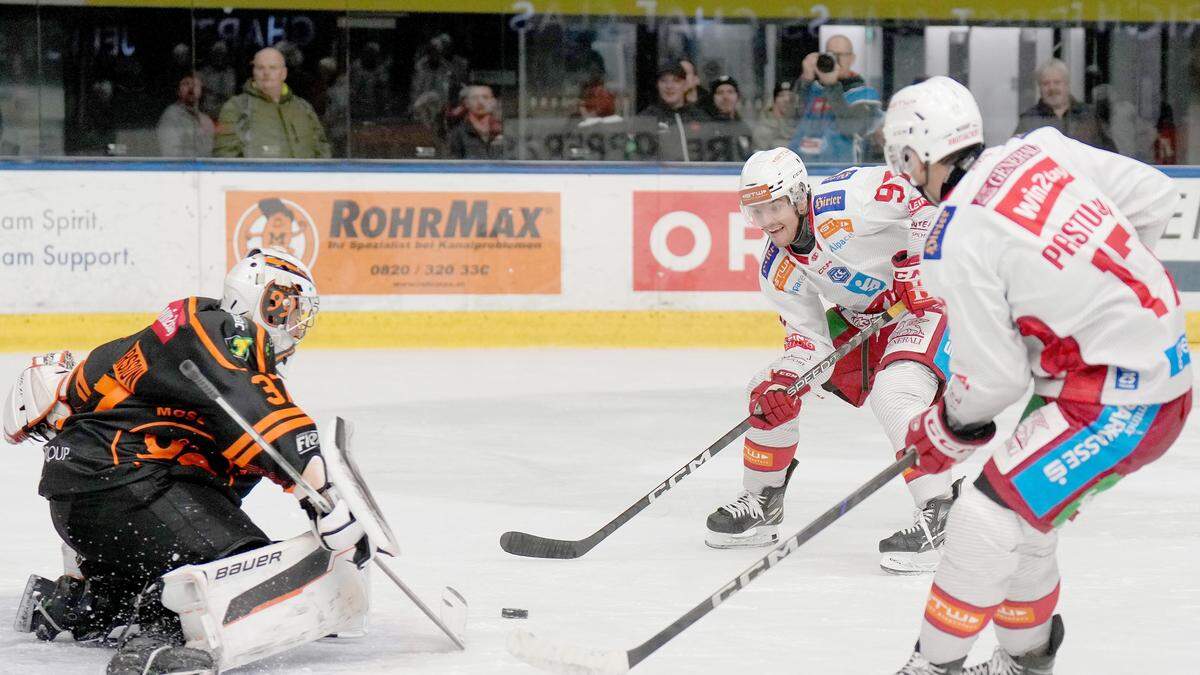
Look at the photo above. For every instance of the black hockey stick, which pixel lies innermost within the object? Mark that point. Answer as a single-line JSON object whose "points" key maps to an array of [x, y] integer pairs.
{"points": [[191, 372], [533, 546], [569, 658]]}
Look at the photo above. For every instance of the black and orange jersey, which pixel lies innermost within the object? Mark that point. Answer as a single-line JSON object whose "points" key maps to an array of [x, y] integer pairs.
{"points": [[134, 414]]}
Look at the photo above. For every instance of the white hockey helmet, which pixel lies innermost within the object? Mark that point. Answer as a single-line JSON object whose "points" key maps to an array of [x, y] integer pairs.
{"points": [[769, 175], [933, 119], [275, 290]]}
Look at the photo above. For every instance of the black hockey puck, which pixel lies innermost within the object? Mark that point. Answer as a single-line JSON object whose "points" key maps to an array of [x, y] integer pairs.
{"points": [[514, 613]]}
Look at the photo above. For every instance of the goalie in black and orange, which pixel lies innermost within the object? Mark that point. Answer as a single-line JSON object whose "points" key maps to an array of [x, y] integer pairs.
{"points": [[144, 474]]}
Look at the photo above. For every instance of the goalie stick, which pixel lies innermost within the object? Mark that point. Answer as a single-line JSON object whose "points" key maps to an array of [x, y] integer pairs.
{"points": [[563, 658], [191, 372], [534, 546]]}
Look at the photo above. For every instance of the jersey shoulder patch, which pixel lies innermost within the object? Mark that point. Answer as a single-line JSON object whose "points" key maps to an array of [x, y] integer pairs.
{"points": [[170, 320]]}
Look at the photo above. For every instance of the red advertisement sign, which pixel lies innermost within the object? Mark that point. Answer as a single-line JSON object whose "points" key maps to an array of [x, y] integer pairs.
{"points": [[693, 241]]}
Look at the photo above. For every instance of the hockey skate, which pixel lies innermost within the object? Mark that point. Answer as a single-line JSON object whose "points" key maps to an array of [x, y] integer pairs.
{"points": [[85, 609], [915, 549], [157, 646], [1037, 662], [159, 655], [919, 665], [750, 520]]}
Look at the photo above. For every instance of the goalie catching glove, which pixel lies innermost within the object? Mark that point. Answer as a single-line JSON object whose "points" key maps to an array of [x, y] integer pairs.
{"points": [[337, 530], [939, 445]]}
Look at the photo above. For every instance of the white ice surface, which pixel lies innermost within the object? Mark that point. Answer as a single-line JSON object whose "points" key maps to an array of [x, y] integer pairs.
{"points": [[462, 446]]}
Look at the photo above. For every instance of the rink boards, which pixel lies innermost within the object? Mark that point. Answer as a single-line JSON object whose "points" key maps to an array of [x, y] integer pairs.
{"points": [[416, 255]]}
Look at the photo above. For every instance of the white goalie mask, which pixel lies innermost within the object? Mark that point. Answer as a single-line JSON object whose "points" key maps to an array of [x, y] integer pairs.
{"points": [[276, 291], [768, 177]]}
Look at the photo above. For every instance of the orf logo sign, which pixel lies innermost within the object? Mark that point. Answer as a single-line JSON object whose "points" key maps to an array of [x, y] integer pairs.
{"points": [[693, 241], [276, 223]]}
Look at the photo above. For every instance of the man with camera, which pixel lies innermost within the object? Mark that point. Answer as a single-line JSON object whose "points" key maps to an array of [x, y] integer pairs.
{"points": [[837, 107]]}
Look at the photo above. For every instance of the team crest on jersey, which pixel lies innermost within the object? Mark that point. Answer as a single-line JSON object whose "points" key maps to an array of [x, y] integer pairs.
{"points": [[840, 176], [768, 258], [240, 345], [830, 201], [865, 285], [838, 275], [933, 242]]}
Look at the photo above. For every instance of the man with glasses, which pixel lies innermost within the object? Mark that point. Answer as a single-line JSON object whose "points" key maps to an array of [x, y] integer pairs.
{"points": [[837, 106]]}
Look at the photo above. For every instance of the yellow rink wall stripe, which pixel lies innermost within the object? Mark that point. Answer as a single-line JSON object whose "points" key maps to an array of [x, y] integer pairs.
{"points": [[34, 333]]}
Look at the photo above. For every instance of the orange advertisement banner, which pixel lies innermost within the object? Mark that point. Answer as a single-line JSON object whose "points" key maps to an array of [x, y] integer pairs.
{"points": [[407, 243]]}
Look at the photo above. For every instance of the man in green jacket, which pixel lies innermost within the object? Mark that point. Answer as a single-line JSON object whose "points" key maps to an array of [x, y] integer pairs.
{"points": [[267, 119]]}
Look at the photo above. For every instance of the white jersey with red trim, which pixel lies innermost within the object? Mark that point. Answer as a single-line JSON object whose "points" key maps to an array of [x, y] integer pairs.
{"points": [[862, 217], [1043, 255]]}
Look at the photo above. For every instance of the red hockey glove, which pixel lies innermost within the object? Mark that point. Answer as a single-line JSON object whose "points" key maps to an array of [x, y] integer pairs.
{"points": [[770, 404], [906, 284], [938, 446]]}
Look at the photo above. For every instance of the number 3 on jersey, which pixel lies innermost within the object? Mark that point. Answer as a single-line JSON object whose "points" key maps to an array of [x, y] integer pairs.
{"points": [[1118, 241], [274, 396]]}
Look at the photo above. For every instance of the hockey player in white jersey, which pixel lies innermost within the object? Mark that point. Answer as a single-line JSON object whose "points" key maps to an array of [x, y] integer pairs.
{"points": [[1043, 253], [854, 242]]}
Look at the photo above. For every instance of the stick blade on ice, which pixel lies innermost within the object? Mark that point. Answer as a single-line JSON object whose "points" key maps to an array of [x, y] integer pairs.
{"points": [[533, 546], [566, 659]]}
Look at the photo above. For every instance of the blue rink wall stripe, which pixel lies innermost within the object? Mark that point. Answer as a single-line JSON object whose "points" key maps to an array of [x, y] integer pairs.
{"points": [[434, 166]]}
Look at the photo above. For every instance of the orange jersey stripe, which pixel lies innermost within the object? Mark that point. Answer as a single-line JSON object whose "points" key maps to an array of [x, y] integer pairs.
{"points": [[205, 340], [271, 436], [113, 448], [188, 427], [261, 426], [113, 392], [81, 385]]}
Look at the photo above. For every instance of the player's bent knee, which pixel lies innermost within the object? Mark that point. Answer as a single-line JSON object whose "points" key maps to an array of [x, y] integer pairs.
{"points": [[264, 601]]}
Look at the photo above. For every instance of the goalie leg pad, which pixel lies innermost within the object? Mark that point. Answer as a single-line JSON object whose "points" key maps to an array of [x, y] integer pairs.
{"points": [[267, 600]]}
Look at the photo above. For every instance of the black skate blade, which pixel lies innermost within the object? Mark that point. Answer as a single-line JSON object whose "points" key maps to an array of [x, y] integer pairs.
{"points": [[533, 546], [35, 589]]}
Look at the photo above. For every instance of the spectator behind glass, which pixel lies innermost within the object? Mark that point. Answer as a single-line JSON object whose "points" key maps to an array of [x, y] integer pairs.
{"points": [[778, 122], [370, 83], [599, 133], [220, 82], [480, 134], [1056, 108], [837, 108], [437, 78], [183, 130], [733, 140], [695, 94], [665, 126], [267, 119]]}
